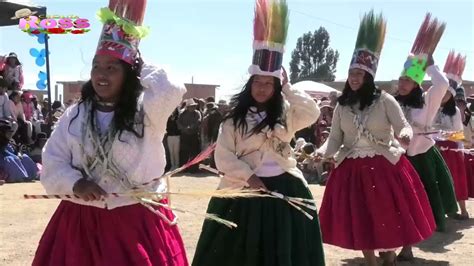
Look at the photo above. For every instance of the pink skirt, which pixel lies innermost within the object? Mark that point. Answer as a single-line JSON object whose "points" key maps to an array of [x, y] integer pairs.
{"points": [[371, 204], [455, 162], [130, 235], [469, 161]]}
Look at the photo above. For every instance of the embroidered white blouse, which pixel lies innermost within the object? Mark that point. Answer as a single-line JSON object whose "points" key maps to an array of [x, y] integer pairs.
{"points": [[139, 159], [449, 123], [238, 157], [422, 119]]}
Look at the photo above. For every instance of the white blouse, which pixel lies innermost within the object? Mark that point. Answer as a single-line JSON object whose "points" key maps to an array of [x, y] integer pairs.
{"points": [[140, 160], [421, 119]]}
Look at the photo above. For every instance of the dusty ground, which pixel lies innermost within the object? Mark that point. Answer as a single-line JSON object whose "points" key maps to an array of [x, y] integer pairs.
{"points": [[23, 221]]}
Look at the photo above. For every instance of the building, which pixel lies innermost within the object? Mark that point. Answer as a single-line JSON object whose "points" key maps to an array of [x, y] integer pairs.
{"points": [[72, 90], [201, 91]]}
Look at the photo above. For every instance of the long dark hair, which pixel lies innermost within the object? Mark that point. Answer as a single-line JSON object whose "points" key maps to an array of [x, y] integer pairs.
{"points": [[241, 103], [414, 99], [126, 109], [449, 108], [365, 95]]}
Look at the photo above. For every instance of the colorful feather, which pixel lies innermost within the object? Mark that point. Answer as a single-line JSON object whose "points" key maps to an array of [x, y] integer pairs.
{"points": [[428, 36], [260, 26], [279, 22], [371, 34], [132, 10], [271, 21]]}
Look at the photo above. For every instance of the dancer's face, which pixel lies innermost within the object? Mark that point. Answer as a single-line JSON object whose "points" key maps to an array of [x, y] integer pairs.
{"points": [[107, 75], [263, 88], [405, 85], [356, 78]]}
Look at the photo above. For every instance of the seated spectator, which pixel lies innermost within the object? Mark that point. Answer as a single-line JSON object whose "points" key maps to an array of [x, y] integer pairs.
{"points": [[32, 114], [38, 118], [5, 108], [16, 167], [25, 128], [13, 72], [35, 154], [57, 111]]}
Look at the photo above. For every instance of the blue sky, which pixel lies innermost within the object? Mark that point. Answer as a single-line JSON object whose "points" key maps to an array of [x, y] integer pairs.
{"points": [[212, 40]]}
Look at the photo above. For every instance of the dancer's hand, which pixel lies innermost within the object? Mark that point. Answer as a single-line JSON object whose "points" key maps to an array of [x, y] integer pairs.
{"points": [[317, 157], [404, 140], [88, 190], [256, 183]]}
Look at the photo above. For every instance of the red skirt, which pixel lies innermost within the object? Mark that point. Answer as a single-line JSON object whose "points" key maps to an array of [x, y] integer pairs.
{"points": [[469, 161], [130, 235], [371, 204], [455, 162]]}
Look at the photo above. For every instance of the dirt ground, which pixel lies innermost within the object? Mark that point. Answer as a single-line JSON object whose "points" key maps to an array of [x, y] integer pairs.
{"points": [[22, 222]]}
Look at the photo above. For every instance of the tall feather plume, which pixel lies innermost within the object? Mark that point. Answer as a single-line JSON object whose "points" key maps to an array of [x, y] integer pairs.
{"points": [[279, 22], [428, 36], [455, 64], [133, 10], [371, 32], [260, 24], [271, 21]]}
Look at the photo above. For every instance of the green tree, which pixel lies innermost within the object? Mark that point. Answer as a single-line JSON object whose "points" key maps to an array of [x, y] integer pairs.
{"points": [[313, 59]]}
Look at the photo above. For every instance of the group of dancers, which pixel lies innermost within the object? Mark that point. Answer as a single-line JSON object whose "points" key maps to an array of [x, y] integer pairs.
{"points": [[398, 159]]}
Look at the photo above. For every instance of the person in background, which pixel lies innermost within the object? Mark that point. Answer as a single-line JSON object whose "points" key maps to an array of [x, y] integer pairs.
{"points": [[189, 123], [18, 167], [214, 119], [13, 72], [5, 107], [210, 99], [468, 122], [326, 114], [173, 138], [223, 107], [38, 119], [35, 154], [333, 95], [25, 128], [57, 110], [45, 108]]}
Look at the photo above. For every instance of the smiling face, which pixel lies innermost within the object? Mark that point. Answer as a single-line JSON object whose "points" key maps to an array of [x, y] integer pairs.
{"points": [[107, 75], [356, 78], [263, 88], [405, 86]]}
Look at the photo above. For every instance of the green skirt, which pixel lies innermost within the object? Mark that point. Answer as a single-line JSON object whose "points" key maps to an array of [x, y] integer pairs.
{"points": [[270, 232], [438, 184]]}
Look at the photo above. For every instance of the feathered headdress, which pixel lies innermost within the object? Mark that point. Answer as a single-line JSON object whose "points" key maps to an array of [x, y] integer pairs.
{"points": [[454, 67], [370, 40], [270, 31], [122, 29], [425, 44]]}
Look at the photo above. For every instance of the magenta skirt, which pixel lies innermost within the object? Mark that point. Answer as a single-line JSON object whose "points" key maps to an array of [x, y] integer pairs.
{"points": [[469, 161], [371, 204], [131, 235], [455, 162]]}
